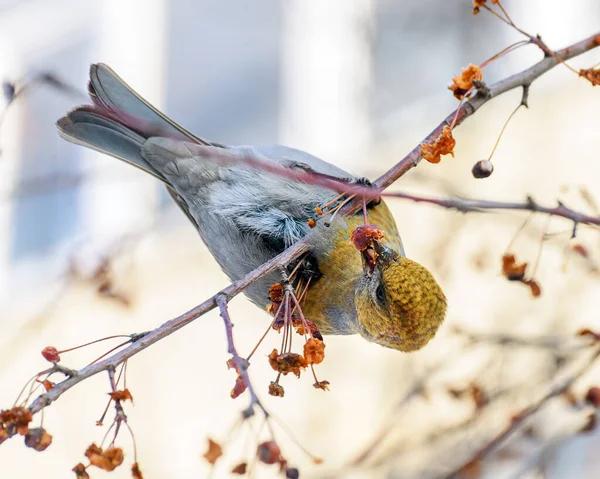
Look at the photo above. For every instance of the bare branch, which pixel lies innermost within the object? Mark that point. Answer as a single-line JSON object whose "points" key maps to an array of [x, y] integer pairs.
{"points": [[471, 205], [521, 79], [169, 327], [517, 420]]}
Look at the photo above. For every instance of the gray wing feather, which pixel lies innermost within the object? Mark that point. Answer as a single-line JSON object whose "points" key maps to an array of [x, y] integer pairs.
{"points": [[245, 215]]}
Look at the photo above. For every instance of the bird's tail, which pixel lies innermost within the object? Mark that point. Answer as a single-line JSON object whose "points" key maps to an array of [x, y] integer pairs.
{"points": [[119, 121]]}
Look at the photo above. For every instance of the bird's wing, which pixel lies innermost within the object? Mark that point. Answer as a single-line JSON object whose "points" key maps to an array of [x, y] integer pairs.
{"points": [[217, 185]]}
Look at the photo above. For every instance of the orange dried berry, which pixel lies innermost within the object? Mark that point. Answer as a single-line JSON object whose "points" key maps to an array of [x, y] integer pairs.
{"points": [[38, 439], [512, 270], [240, 469], [123, 395], [136, 473], [80, 472], [46, 383], [276, 293], [534, 287], [268, 452], [107, 460], [314, 351], [50, 354], [15, 421], [318, 210], [287, 363], [442, 145], [463, 83], [214, 452], [324, 385], [311, 223], [477, 4], [313, 330], [364, 236], [276, 390], [592, 75]]}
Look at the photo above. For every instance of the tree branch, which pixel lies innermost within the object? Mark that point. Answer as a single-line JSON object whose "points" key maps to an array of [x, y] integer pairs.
{"points": [[521, 79], [168, 328], [471, 205], [517, 420]]}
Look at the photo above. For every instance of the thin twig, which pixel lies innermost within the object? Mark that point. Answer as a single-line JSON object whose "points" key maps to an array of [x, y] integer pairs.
{"points": [[168, 328], [467, 205], [526, 77], [517, 420]]}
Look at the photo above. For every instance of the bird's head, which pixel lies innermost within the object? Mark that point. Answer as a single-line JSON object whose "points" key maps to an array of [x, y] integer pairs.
{"points": [[399, 304]]}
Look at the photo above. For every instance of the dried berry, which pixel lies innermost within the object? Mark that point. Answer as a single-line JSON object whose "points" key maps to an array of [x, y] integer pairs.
{"points": [[268, 452], [463, 83], [240, 469], [107, 460], [482, 169], [123, 395], [442, 145], [50, 353], [80, 472], [38, 439], [314, 351], [276, 389], [214, 452]]}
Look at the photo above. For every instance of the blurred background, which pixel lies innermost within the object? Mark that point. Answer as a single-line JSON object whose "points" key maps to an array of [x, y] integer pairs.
{"points": [[90, 247]]}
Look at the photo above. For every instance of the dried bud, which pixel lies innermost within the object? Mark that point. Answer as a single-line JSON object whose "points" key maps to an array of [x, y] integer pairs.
{"points": [[15, 421], [215, 451], [136, 473], [123, 395], [311, 223], [287, 362], [364, 236], [482, 169], [442, 145], [240, 469], [276, 390], [107, 460], [314, 351], [512, 270], [80, 472], [324, 385], [463, 84], [50, 353], [276, 293], [591, 75]]}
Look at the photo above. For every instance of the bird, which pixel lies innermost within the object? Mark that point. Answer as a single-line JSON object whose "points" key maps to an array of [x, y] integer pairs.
{"points": [[246, 215]]}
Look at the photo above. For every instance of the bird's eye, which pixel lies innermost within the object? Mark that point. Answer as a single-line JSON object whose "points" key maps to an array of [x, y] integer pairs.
{"points": [[380, 294]]}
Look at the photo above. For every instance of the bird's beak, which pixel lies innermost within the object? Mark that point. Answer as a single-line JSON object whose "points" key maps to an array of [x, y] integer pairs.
{"points": [[374, 254]]}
